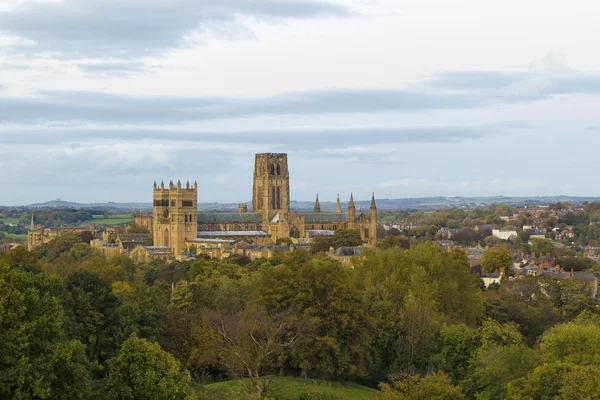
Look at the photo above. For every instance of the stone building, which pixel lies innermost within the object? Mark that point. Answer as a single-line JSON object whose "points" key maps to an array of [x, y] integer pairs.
{"points": [[38, 235], [177, 225]]}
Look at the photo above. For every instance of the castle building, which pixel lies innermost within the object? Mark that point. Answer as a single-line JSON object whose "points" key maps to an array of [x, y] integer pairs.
{"points": [[177, 225]]}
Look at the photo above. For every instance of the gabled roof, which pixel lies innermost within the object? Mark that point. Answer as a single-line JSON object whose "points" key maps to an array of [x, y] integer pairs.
{"points": [[228, 218]]}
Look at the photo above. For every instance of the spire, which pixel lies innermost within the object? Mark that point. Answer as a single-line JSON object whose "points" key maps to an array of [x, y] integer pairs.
{"points": [[32, 226], [338, 206], [317, 205], [179, 184], [351, 204], [373, 206]]}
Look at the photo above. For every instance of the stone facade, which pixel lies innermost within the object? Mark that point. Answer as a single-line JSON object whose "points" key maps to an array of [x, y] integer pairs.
{"points": [[177, 225], [39, 234], [175, 215]]}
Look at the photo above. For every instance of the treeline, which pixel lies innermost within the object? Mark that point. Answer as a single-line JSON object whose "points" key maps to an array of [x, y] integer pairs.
{"points": [[412, 322], [56, 218]]}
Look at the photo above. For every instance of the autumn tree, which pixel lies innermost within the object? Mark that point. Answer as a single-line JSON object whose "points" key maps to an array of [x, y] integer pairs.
{"points": [[497, 259]]}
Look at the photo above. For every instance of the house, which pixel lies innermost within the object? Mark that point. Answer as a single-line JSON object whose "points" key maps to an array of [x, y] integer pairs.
{"points": [[346, 254], [491, 278], [504, 234]]}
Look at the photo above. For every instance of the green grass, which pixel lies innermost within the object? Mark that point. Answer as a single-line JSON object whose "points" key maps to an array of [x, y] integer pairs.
{"points": [[7, 220], [290, 388], [389, 218], [11, 238], [115, 219]]}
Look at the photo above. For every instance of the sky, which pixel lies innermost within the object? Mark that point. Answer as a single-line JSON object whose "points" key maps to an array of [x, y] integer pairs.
{"points": [[404, 98]]}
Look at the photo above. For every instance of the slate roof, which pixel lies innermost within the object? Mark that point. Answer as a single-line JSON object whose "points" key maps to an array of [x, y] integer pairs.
{"points": [[349, 251], [323, 217], [317, 232], [228, 218], [217, 234]]}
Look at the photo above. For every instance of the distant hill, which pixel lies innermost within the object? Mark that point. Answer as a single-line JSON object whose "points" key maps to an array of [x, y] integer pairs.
{"points": [[382, 204]]}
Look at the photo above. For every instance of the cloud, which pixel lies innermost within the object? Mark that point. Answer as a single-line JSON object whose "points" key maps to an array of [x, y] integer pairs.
{"points": [[121, 109], [129, 28]]}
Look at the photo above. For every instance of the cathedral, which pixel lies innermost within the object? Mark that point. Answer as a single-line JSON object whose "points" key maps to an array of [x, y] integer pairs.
{"points": [[177, 225]]}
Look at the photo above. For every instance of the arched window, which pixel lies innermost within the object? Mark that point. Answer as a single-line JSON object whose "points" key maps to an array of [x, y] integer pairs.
{"points": [[273, 198], [272, 169], [278, 194], [278, 170], [166, 238]]}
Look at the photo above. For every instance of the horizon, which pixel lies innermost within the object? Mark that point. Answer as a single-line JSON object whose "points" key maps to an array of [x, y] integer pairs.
{"points": [[413, 99]]}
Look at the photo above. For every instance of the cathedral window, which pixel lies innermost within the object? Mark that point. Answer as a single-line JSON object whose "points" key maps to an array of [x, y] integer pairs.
{"points": [[272, 169], [278, 170]]}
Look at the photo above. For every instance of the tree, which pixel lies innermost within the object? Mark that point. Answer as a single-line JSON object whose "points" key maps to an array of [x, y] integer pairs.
{"points": [[576, 342], [545, 383], [319, 290], [143, 371], [496, 367], [497, 259], [458, 344], [394, 241], [250, 342], [320, 243], [346, 238], [91, 305], [285, 241], [541, 247], [434, 386], [37, 361]]}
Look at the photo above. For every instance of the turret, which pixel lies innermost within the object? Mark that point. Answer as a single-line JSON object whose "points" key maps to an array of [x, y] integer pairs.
{"points": [[351, 212], [338, 205], [317, 205], [373, 222]]}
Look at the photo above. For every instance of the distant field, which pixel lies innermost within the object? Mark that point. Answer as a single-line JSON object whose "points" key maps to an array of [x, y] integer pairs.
{"points": [[116, 219], [289, 388], [389, 218], [15, 238], [10, 220]]}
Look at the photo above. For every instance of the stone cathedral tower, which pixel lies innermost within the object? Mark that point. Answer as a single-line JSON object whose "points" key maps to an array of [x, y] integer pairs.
{"points": [[271, 188], [175, 215]]}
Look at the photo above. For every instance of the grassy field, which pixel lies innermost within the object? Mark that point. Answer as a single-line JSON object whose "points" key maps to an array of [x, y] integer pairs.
{"points": [[113, 219], [289, 388], [15, 238], [10, 220]]}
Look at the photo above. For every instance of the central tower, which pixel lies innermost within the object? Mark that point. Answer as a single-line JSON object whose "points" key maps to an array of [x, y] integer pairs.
{"points": [[175, 218], [271, 188]]}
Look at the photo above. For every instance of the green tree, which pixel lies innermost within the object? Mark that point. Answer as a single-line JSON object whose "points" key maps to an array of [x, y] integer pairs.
{"points": [[284, 241], [497, 259], [581, 383], [346, 238], [37, 362], [434, 386], [544, 383], [393, 241], [143, 371], [494, 368], [458, 344], [91, 306], [541, 247], [321, 243], [576, 342], [318, 289]]}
